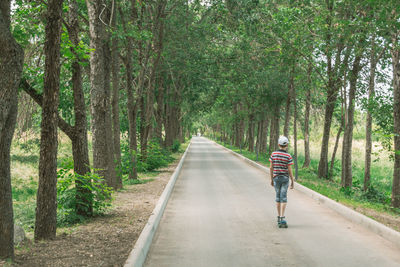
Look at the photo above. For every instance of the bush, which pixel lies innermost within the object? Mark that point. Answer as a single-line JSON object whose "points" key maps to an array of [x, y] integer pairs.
{"points": [[372, 194], [156, 157], [176, 145], [67, 195]]}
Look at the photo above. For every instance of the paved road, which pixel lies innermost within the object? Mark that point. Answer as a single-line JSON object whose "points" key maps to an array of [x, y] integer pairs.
{"points": [[222, 213]]}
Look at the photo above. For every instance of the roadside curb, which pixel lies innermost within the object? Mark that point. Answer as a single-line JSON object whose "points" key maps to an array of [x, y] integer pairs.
{"points": [[139, 252], [351, 215]]}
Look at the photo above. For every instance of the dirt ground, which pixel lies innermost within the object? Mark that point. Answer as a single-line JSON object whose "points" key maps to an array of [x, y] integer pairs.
{"points": [[105, 240]]}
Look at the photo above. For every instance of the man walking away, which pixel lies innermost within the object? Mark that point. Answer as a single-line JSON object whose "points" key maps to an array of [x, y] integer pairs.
{"points": [[281, 170]]}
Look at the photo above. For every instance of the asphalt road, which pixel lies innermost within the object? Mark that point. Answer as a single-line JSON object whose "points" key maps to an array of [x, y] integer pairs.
{"points": [[222, 213]]}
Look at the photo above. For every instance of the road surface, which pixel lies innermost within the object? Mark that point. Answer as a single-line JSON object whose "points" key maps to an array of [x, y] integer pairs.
{"points": [[222, 213]]}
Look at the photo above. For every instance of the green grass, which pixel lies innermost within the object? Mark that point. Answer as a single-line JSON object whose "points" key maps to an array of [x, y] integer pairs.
{"points": [[137, 181]]}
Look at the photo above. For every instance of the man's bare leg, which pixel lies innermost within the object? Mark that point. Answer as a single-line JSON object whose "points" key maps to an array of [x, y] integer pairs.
{"points": [[283, 207]]}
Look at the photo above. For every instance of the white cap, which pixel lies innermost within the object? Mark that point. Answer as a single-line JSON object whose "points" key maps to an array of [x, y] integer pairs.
{"points": [[283, 141]]}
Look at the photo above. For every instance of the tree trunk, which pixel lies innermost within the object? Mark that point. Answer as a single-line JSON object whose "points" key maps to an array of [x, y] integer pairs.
{"points": [[46, 202], [132, 103], [329, 108], [11, 63], [171, 117], [396, 117], [307, 158], [296, 167], [80, 150], [103, 160], [265, 135], [333, 86], [251, 133], [260, 134], [368, 126], [159, 112], [115, 98], [347, 175], [335, 149], [148, 99], [287, 114], [111, 174], [132, 113], [274, 131]]}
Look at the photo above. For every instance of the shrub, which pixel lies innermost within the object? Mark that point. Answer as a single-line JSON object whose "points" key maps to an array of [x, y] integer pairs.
{"points": [[372, 194], [176, 145], [67, 195], [157, 157]]}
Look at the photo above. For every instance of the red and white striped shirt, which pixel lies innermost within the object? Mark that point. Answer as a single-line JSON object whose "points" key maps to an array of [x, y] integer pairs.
{"points": [[280, 160]]}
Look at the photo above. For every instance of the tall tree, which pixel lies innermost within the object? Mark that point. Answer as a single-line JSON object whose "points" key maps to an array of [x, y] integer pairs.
{"points": [[374, 59], [347, 173], [115, 68], [11, 62], [103, 155], [46, 204], [132, 96], [80, 149], [307, 158], [396, 116]]}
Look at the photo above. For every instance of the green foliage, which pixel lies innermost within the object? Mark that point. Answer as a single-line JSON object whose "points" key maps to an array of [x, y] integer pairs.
{"points": [[99, 196], [24, 202], [30, 145], [374, 195], [156, 157], [137, 181], [176, 146]]}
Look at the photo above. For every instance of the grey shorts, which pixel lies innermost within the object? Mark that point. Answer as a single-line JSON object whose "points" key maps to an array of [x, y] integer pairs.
{"points": [[281, 184]]}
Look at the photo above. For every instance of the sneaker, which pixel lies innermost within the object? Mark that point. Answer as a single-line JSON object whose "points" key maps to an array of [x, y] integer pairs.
{"points": [[283, 223]]}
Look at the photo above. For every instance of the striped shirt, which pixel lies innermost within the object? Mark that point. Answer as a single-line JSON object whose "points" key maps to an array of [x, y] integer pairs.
{"points": [[280, 160]]}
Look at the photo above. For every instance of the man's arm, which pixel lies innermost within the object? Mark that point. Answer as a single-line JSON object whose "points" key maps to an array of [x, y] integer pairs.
{"points": [[291, 176], [271, 171]]}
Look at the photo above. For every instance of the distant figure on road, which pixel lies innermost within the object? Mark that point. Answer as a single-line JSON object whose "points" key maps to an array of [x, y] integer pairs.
{"points": [[281, 170]]}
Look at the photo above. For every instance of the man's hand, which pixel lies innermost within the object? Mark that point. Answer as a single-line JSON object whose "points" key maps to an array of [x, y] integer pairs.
{"points": [[272, 182], [292, 185]]}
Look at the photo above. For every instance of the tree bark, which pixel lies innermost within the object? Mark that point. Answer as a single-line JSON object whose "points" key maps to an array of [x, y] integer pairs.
{"points": [[260, 134], [287, 114], [46, 202], [274, 131], [307, 158], [335, 149], [159, 112], [11, 63], [396, 117], [115, 98], [368, 126], [265, 135], [132, 104], [79, 138], [296, 167], [347, 175], [103, 160], [148, 101], [333, 86], [251, 133]]}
